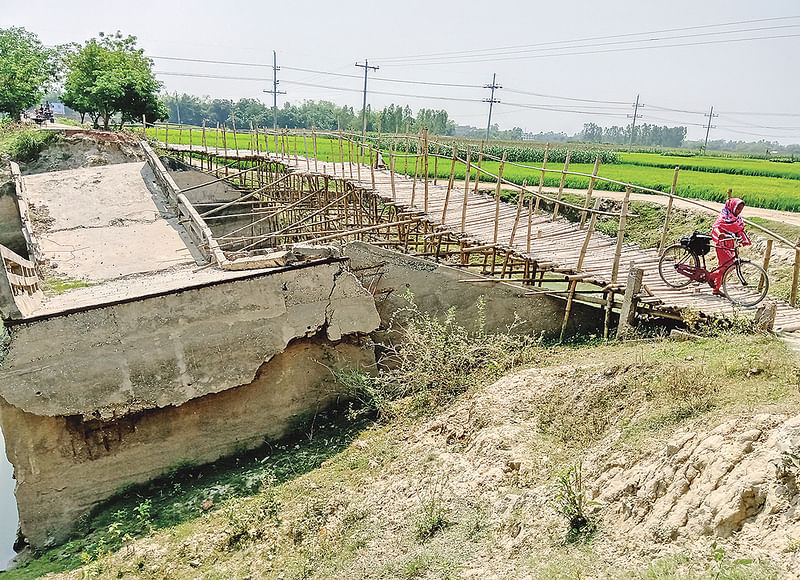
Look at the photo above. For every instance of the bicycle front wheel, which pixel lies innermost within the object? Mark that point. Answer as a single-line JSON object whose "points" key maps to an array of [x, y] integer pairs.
{"points": [[745, 283], [676, 265]]}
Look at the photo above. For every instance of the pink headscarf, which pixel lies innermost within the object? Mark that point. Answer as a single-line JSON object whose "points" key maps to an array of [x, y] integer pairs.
{"points": [[729, 219]]}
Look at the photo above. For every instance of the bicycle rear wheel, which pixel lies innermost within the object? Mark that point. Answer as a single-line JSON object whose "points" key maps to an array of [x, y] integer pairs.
{"points": [[745, 283], [677, 258]]}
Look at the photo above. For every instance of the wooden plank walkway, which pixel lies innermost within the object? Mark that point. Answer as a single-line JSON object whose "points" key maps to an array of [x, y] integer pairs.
{"points": [[557, 242]]}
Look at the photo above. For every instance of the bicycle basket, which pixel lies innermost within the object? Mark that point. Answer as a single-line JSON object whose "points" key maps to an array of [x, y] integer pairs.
{"points": [[699, 243]]}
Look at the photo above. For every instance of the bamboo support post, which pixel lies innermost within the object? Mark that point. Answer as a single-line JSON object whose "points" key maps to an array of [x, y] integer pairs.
{"points": [[314, 144], [425, 166], [405, 166], [620, 234], [587, 239], [796, 273], [449, 183], [235, 140], [166, 135], [567, 309], [607, 318], [497, 197], [541, 178], [478, 171], [589, 191], [391, 170], [665, 232], [561, 185], [305, 153], [466, 194], [372, 168], [216, 141], [436, 163], [190, 140], [767, 256]]}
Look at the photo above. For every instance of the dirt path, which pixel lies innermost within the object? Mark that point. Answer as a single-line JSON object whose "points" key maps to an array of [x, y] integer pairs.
{"points": [[710, 207]]}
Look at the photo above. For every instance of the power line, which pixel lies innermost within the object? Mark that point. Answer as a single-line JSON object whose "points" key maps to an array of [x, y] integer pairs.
{"points": [[559, 42], [313, 71], [620, 42], [520, 92], [603, 51]]}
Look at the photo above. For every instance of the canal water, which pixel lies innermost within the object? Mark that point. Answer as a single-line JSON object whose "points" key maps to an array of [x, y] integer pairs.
{"points": [[8, 508]]}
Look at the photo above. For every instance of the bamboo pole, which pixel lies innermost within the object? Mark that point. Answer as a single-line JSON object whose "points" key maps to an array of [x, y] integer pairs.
{"points": [[541, 178], [391, 170], [425, 166], [568, 308], [450, 183], [235, 141], [607, 318], [520, 202], [416, 173], [405, 167], [216, 141], [767, 256], [436, 163], [314, 144], [341, 153], [359, 154], [665, 231], [166, 135], [497, 197], [478, 172], [466, 193], [590, 190], [561, 185], [205, 143], [305, 152], [623, 218], [530, 219], [795, 274], [372, 168], [589, 231]]}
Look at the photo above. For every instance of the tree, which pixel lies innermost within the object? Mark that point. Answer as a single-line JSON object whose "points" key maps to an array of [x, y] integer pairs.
{"points": [[27, 69], [111, 76]]}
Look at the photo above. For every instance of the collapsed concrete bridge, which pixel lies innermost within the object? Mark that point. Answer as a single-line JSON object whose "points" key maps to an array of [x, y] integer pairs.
{"points": [[164, 338]]}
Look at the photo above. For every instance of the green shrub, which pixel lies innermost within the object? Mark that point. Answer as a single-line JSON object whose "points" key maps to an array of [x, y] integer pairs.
{"points": [[29, 144]]}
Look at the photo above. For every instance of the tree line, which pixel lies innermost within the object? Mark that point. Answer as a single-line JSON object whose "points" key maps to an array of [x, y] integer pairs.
{"points": [[324, 115], [645, 134]]}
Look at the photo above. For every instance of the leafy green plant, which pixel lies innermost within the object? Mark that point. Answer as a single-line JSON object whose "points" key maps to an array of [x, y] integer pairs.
{"points": [[29, 144], [569, 500]]}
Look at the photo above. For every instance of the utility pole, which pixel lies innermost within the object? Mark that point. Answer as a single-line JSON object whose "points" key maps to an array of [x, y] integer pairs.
{"points": [[275, 92], [635, 114], [366, 68], [709, 126], [491, 100]]}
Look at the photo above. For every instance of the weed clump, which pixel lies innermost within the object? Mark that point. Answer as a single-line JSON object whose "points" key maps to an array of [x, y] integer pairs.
{"points": [[431, 361]]}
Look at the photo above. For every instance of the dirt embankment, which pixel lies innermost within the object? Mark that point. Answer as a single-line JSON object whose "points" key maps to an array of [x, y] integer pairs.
{"points": [[85, 149]]}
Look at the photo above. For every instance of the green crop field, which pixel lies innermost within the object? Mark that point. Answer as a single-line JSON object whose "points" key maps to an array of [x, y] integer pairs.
{"points": [[735, 166], [761, 183]]}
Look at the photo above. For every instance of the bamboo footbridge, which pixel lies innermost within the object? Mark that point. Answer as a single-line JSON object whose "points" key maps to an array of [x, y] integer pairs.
{"points": [[317, 187]]}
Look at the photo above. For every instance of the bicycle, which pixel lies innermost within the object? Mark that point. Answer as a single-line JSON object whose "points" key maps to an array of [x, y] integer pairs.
{"points": [[743, 282]]}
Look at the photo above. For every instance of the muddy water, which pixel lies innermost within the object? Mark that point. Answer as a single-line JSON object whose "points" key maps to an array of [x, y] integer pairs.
{"points": [[8, 508]]}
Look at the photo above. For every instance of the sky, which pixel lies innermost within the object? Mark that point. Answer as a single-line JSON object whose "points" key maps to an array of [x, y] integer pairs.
{"points": [[560, 64]]}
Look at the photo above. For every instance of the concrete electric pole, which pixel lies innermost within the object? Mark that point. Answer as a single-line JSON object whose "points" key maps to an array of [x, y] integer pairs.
{"points": [[366, 68], [491, 100]]}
